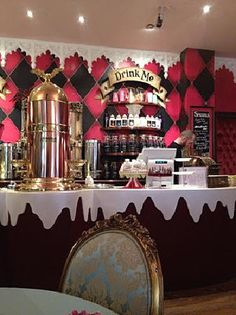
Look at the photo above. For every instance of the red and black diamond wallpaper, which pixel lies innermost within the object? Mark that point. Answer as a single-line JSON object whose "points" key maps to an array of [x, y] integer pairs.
{"points": [[190, 82], [82, 85]]}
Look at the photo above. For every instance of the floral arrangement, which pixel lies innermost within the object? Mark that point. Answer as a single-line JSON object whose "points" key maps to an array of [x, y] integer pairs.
{"points": [[83, 313]]}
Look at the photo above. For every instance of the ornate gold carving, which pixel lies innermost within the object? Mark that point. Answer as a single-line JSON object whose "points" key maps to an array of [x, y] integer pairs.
{"points": [[3, 89], [47, 184], [129, 225], [47, 90], [46, 76]]}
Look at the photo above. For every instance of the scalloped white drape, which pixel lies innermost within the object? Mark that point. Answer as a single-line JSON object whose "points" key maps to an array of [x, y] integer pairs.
{"points": [[49, 207]]}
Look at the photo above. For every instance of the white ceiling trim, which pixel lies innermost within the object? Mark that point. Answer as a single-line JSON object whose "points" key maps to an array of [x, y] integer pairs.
{"points": [[90, 53], [229, 63], [35, 48]]}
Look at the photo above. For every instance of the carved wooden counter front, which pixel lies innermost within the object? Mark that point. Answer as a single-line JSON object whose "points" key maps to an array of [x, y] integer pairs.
{"points": [[195, 230]]}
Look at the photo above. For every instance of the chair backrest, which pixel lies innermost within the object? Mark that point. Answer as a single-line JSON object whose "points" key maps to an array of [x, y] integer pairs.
{"points": [[116, 264]]}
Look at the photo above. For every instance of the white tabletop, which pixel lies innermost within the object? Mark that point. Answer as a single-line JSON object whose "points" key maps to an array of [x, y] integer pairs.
{"points": [[19, 301]]}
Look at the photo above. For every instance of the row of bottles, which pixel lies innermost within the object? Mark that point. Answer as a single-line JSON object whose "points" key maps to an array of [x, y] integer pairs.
{"points": [[134, 95], [131, 121], [131, 143]]}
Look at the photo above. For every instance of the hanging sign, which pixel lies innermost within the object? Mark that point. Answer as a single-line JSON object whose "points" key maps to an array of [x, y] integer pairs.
{"points": [[134, 74]]}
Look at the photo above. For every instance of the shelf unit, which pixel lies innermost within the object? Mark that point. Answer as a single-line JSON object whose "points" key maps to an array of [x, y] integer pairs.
{"points": [[116, 156]]}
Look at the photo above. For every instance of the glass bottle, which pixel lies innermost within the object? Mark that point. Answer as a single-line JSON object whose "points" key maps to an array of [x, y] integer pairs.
{"points": [[131, 120], [124, 121], [153, 122], [149, 122], [158, 120], [112, 122], [118, 120], [106, 119]]}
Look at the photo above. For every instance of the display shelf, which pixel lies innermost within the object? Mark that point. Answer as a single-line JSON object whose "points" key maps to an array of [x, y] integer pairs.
{"points": [[110, 103], [144, 129]]}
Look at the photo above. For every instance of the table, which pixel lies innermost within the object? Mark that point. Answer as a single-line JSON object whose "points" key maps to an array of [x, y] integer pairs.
{"points": [[14, 301], [195, 231]]}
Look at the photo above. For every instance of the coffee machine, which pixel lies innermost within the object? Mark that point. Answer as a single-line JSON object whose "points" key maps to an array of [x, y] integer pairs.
{"points": [[47, 138]]}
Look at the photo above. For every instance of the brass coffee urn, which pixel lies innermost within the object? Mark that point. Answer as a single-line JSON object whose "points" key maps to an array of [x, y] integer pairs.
{"points": [[48, 138]]}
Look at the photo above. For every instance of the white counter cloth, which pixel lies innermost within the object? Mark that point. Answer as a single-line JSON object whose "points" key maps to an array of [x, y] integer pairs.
{"points": [[48, 205], [18, 301]]}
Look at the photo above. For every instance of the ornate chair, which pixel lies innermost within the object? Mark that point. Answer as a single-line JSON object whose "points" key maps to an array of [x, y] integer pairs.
{"points": [[116, 264]]}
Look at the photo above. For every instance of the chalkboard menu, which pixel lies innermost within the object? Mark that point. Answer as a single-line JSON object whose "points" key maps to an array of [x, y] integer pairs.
{"points": [[202, 127]]}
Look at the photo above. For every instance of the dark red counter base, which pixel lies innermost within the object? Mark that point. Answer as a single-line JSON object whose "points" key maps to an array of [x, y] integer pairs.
{"points": [[191, 254]]}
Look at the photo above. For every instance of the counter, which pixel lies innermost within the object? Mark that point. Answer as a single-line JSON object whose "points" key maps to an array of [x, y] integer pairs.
{"points": [[195, 231]]}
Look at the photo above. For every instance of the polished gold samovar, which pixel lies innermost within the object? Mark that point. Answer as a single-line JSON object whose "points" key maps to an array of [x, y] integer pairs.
{"points": [[76, 162], [48, 138]]}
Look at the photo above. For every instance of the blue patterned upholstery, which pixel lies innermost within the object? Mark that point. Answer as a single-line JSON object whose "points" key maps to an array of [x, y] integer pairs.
{"points": [[110, 269]]}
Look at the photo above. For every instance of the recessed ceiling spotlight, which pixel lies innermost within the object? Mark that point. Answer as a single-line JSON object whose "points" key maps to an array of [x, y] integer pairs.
{"points": [[206, 9], [29, 14], [81, 19]]}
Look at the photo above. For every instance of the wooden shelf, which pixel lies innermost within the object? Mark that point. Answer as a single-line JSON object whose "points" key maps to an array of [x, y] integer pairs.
{"points": [[109, 103], [159, 132], [132, 129]]}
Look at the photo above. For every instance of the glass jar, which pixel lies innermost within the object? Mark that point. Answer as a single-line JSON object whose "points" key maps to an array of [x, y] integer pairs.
{"points": [[142, 142], [156, 142], [132, 143], [107, 144], [150, 141], [123, 143], [106, 170], [115, 148]]}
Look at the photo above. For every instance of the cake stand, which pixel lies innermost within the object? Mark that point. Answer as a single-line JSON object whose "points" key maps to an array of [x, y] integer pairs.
{"points": [[133, 182]]}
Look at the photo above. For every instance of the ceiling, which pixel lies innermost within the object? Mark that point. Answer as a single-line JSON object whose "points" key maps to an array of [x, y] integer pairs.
{"points": [[121, 23]]}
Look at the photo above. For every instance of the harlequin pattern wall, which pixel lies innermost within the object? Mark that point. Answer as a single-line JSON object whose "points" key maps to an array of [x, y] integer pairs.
{"points": [[82, 85], [190, 82]]}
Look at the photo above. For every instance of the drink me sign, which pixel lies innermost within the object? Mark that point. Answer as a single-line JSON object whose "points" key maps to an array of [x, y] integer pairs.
{"points": [[134, 74]]}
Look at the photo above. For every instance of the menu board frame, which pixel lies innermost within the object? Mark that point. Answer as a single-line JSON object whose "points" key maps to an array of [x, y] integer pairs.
{"points": [[207, 112]]}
